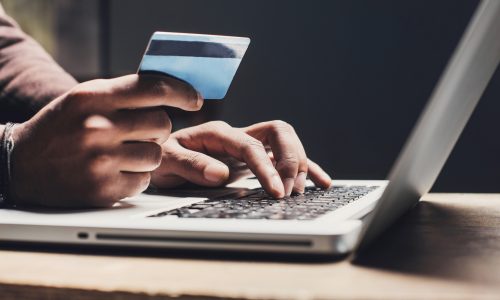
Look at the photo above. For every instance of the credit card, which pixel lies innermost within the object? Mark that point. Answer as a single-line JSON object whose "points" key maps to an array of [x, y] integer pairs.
{"points": [[207, 62]]}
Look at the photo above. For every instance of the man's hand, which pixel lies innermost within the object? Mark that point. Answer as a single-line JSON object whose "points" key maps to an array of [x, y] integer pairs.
{"points": [[98, 143], [213, 154]]}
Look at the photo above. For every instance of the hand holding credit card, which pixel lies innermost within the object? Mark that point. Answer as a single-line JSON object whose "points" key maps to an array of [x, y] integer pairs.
{"points": [[207, 62]]}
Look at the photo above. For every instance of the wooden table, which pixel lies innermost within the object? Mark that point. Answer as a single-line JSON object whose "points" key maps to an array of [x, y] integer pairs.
{"points": [[448, 247]]}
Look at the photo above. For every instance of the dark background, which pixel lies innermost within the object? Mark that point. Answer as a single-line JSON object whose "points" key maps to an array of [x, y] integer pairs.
{"points": [[350, 76]]}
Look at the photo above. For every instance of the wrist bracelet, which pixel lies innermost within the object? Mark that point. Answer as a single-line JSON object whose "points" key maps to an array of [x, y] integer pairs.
{"points": [[6, 147]]}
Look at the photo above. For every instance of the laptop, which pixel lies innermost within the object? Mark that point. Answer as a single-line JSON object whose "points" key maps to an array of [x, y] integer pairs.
{"points": [[242, 217]]}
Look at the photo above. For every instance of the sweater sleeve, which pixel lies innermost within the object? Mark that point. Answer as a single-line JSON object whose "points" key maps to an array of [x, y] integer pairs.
{"points": [[29, 77]]}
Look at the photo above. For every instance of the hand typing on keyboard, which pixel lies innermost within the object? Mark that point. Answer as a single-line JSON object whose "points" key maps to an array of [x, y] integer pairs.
{"points": [[214, 154]]}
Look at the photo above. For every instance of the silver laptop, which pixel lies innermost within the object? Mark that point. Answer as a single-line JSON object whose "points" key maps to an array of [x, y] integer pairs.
{"points": [[242, 217]]}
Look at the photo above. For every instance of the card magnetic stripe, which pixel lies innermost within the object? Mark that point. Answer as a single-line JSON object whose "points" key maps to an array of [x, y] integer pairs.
{"points": [[196, 49]]}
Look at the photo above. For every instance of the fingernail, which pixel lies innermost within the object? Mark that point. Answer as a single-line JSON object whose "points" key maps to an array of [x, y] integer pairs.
{"points": [[300, 182], [277, 185], [214, 173], [288, 183], [328, 180]]}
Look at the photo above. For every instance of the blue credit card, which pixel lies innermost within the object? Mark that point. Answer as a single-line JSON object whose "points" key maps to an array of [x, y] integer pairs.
{"points": [[207, 62]]}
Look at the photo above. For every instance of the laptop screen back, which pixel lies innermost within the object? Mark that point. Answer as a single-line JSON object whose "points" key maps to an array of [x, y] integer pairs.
{"points": [[453, 100]]}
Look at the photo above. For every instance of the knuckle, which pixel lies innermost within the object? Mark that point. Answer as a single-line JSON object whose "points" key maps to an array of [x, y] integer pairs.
{"points": [[252, 144], [288, 162], [279, 126], [191, 161], [83, 93], [93, 128], [219, 125]]}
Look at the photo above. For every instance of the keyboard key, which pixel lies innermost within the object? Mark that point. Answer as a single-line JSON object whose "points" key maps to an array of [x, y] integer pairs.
{"points": [[257, 204]]}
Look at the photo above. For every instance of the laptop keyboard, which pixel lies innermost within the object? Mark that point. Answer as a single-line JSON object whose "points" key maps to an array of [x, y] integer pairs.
{"points": [[257, 204]]}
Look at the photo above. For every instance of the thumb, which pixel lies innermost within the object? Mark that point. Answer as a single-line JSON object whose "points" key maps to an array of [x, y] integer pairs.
{"points": [[193, 166]]}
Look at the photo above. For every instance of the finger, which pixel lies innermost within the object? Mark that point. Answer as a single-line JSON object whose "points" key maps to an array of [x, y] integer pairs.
{"points": [[135, 91], [288, 152], [131, 183], [118, 186], [221, 139], [193, 166], [138, 156], [146, 124], [271, 156], [300, 181], [237, 169], [318, 176], [165, 181]]}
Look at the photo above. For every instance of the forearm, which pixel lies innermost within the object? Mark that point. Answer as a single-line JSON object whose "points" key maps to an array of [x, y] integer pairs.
{"points": [[29, 77]]}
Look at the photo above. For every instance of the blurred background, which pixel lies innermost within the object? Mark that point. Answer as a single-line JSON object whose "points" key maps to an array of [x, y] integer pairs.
{"points": [[350, 76]]}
